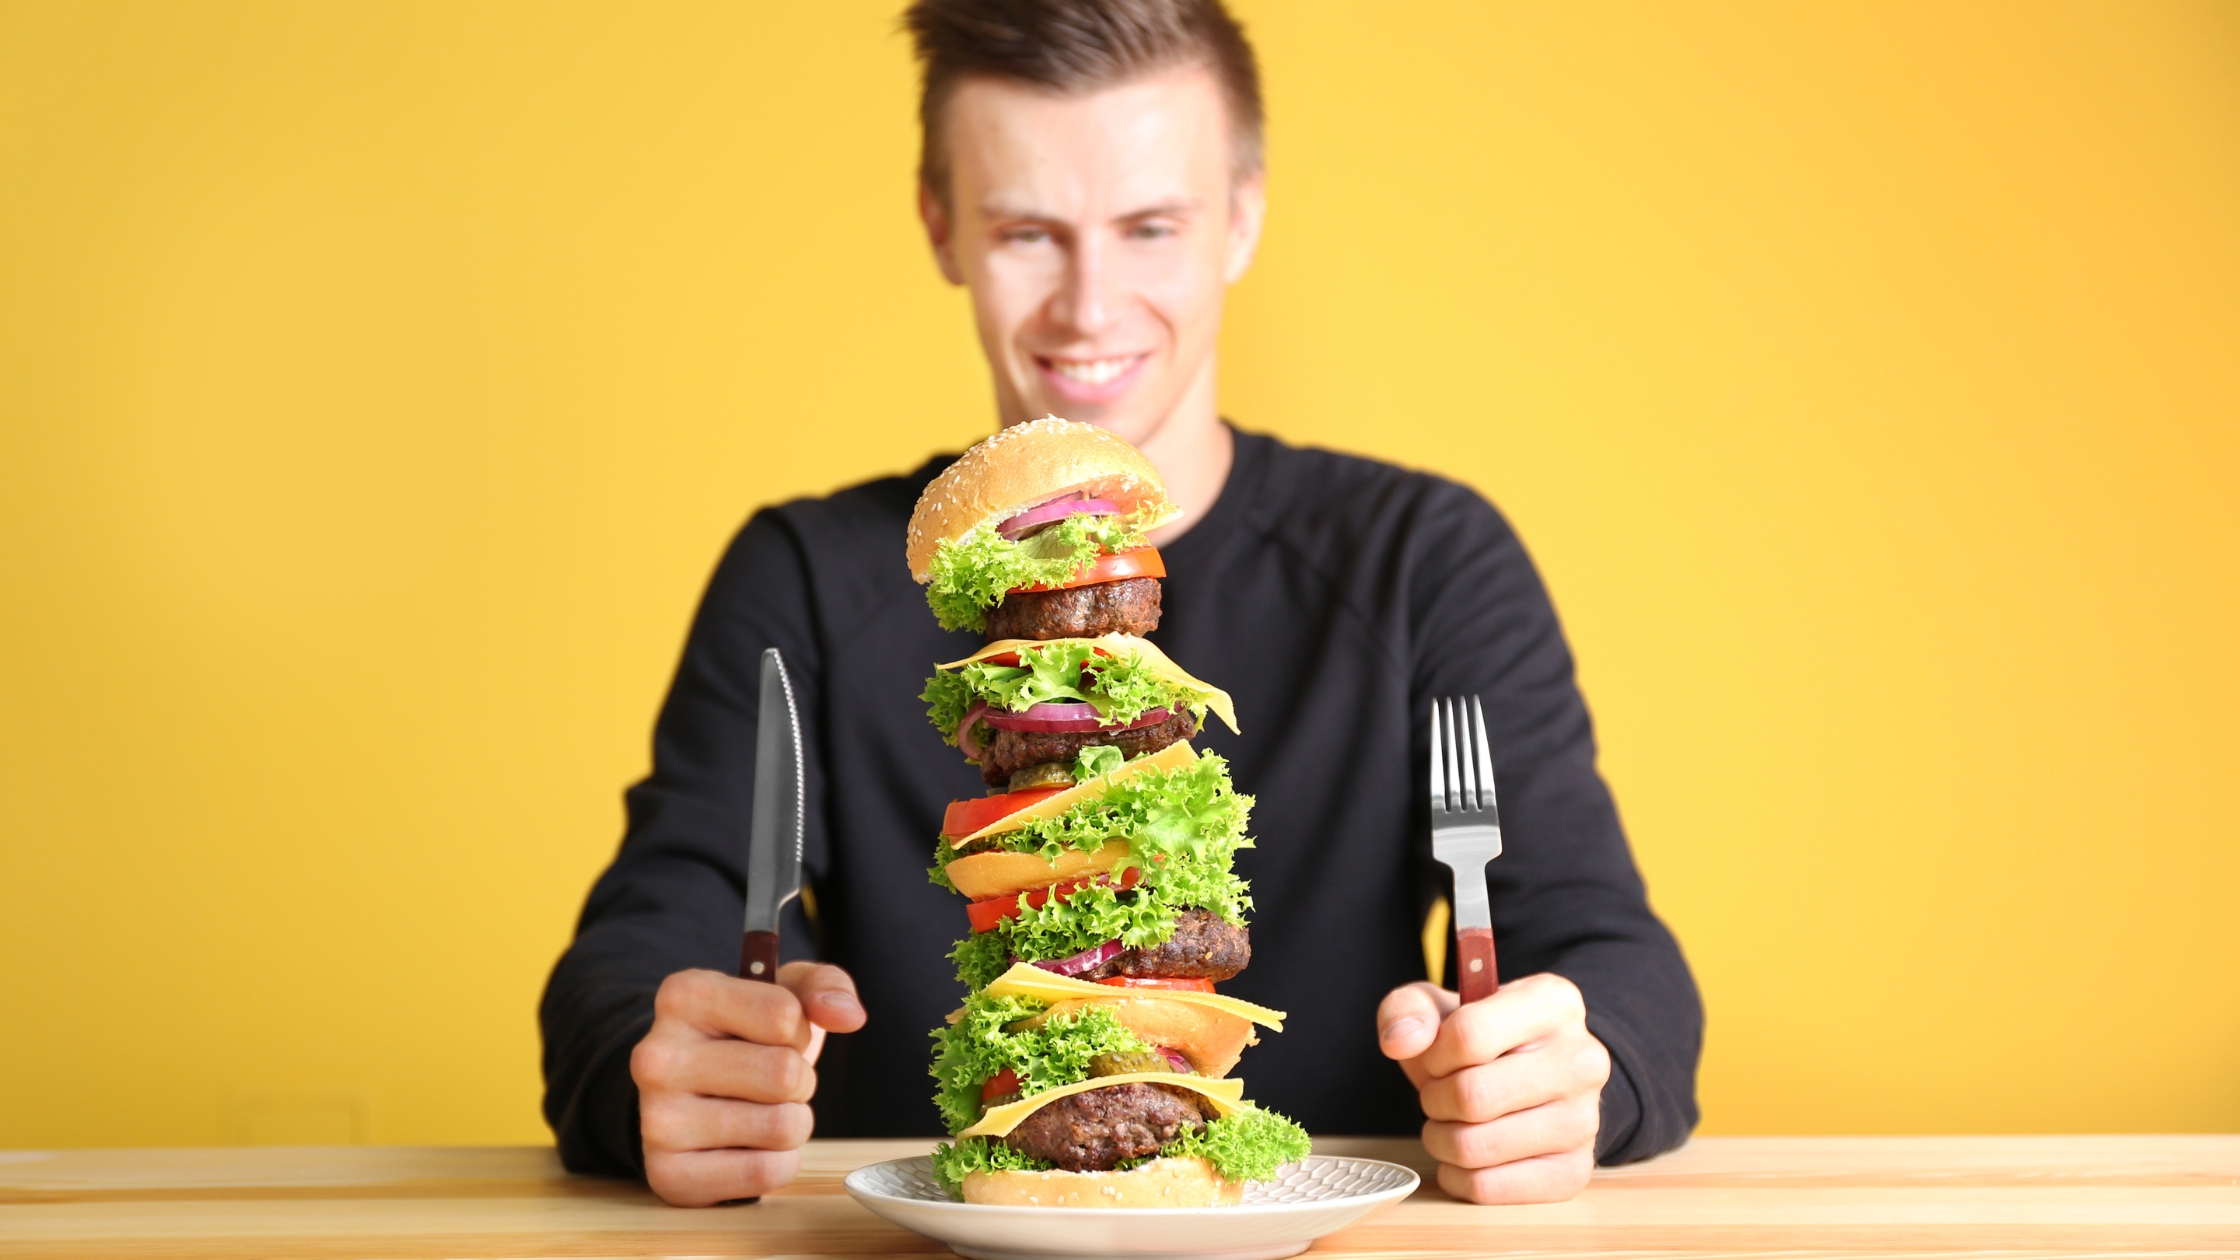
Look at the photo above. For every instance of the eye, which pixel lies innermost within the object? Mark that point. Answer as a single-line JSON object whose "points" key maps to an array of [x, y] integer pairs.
{"points": [[1150, 231], [1025, 235]]}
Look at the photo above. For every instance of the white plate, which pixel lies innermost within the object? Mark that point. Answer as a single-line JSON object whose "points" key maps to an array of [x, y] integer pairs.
{"points": [[1319, 1195]]}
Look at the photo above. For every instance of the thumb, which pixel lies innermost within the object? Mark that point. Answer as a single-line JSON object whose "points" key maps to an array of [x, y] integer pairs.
{"points": [[1408, 1018], [827, 994]]}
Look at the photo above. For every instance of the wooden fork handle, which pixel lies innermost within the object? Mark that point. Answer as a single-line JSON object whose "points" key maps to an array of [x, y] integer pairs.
{"points": [[1474, 963]]}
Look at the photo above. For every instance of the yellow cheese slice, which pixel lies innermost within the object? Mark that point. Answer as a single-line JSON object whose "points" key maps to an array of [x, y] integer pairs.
{"points": [[1147, 655], [1172, 757], [1226, 1093], [1029, 981]]}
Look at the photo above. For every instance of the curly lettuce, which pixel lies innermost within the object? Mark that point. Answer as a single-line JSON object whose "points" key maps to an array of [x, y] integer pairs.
{"points": [[1183, 827], [980, 1045], [1121, 688], [969, 575], [1249, 1145]]}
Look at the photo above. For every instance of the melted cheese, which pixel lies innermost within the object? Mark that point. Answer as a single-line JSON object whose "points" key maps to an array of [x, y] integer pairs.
{"points": [[1147, 655], [1172, 757], [1029, 981], [1226, 1094]]}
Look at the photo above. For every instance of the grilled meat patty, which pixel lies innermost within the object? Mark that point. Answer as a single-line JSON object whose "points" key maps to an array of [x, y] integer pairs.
{"points": [[1095, 1129], [1204, 947], [1128, 606], [1005, 752]]}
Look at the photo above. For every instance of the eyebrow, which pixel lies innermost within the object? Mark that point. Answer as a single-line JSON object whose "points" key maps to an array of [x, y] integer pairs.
{"points": [[1179, 207]]}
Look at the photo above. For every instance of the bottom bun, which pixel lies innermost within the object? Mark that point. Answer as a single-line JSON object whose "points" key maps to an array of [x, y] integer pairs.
{"points": [[1162, 1183]]}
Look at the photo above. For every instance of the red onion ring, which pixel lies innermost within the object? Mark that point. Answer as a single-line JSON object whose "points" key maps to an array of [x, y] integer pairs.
{"points": [[1087, 960], [966, 743], [1065, 717], [1055, 510], [1174, 1056]]}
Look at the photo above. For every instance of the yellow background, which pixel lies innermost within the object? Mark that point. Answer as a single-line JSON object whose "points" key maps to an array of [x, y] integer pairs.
{"points": [[378, 383]]}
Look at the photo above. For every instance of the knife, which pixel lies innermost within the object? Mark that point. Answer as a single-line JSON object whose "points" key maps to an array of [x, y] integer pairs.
{"points": [[774, 826]]}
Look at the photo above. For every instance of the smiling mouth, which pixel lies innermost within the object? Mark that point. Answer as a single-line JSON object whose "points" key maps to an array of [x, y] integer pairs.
{"points": [[1092, 371]]}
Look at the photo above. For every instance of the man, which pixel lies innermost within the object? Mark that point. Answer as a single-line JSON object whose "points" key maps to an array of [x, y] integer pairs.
{"points": [[1092, 175]]}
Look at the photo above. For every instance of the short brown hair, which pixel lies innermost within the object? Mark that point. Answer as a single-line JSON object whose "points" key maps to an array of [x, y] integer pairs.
{"points": [[1079, 46]]}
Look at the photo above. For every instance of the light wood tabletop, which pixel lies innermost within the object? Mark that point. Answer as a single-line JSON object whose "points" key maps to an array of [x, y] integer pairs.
{"points": [[1794, 1197]]}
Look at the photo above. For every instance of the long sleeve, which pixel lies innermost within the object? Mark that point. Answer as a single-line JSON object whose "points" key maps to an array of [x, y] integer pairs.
{"points": [[1567, 897], [675, 896]]}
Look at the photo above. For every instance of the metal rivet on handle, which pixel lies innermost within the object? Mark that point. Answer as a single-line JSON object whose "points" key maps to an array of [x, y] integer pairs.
{"points": [[755, 967]]}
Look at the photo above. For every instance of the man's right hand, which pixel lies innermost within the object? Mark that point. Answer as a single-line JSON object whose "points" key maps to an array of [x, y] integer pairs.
{"points": [[725, 1075]]}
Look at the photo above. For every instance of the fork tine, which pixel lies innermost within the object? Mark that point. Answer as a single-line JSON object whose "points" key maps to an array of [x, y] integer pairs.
{"points": [[1484, 748], [1467, 779], [1457, 776], [1438, 765]]}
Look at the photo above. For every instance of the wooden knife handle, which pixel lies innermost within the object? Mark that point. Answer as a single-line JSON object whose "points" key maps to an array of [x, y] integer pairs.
{"points": [[1474, 963], [758, 957]]}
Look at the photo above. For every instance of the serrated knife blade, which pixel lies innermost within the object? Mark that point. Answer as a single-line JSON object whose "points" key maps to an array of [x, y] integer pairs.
{"points": [[774, 825]]}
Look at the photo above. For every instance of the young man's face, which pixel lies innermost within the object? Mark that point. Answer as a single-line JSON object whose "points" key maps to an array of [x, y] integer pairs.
{"points": [[1097, 232]]}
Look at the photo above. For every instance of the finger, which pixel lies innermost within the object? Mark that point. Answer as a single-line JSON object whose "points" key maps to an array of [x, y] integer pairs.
{"points": [[743, 1070], [717, 1005], [1563, 1066], [826, 993], [1517, 1014], [702, 1178], [1548, 1129], [681, 1123], [1541, 1179], [1409, 1017]]}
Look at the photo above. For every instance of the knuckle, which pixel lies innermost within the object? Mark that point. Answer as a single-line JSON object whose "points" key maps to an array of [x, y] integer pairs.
{"points": [[764, 1171], [659, 1125], [654, 1061], [1580, 1123], [1477, 1096]]}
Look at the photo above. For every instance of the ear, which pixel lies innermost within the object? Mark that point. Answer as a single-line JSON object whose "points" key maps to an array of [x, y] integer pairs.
{"points": [[938, 233], [1248, 209]]}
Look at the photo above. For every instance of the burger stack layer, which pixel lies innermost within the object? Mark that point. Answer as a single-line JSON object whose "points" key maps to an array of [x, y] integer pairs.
{"points": [[1089, 1066]]}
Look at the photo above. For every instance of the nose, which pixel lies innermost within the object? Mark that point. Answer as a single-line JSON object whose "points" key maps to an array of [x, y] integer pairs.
{"points": [[1088, 300]]}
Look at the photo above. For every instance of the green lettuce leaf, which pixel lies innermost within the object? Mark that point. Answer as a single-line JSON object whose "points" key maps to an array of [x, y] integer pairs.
{"points": [[1183, 827], [954, 1161], [1119, 687], [1249, 1145], [969, 575], [977, 1047]]}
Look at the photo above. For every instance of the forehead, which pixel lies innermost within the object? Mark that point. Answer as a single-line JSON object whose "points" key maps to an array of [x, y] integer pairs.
{"points": [[1150, 140]]}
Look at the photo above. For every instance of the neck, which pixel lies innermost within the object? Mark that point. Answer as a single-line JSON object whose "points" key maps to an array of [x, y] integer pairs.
{"points": [[1192, 450]]}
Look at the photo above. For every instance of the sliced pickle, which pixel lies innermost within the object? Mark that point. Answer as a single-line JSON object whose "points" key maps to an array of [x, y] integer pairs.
{"points": [[1055, 774], [1131, 1061]]}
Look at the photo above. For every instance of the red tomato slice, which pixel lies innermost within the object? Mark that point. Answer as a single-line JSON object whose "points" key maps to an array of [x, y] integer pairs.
{"points": [[962, 818], [1177, 984], [985, 915], [1004, 1082], [1113, 567]]}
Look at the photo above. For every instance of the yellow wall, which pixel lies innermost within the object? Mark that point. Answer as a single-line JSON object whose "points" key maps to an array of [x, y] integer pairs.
{"points": [[378, 383]]}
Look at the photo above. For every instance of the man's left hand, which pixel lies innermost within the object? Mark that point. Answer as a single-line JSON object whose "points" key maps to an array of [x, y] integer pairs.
{"points": [[1512, 1085]]}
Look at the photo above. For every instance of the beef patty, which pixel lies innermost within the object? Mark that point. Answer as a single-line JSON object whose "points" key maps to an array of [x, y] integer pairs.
{"points": [[1005, 753], [1095, 1129], [1203, 947], [1129, 606]]}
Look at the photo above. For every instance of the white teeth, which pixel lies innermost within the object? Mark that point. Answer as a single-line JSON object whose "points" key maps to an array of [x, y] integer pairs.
{"points": [[1093, 371]]}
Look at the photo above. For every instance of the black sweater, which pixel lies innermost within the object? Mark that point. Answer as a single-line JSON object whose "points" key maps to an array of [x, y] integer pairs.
{"points": [[1333, 597]]}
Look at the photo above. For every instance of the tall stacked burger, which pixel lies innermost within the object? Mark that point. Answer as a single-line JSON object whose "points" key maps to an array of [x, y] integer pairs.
{"points": [[1089, 1067]]}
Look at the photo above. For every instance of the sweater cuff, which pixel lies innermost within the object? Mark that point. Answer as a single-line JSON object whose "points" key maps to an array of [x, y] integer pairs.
{"points": [[1621, 1099], [601, 1132]]}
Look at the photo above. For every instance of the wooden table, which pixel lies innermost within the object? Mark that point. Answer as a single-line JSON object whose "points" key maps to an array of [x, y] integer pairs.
{"points": [[1818, 1197]]}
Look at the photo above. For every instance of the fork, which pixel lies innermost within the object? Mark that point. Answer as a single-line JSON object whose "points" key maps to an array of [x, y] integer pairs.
{"points": [[1466, 834]]}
